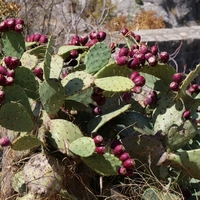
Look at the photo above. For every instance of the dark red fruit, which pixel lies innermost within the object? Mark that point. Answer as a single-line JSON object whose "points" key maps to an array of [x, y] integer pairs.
{"points": [[43, 39], [92, 42], [139, 81], [129, 172], [2, 96], [19, 21], [14, 63], [191, 90], [101, 101], [148, 101], [93, 35], [11, 23], [4, 142], [124, 31], [38, 71], [133, 63], [119, 150], [7, 61], [3, 26], [121, 61], [18, 28], [32, 37], [112, 46], [164, 57], [97, 111], [152, 61], [95, 96], [177, 77], [148, 55], [36, 37], [2, 80], [11, 73], [154, 50], [129, 163], [134, 75], [140, 57], [100, 149], [9, 81], [187, 114], [74, 54], [123, 52], [137, 38], [28, 39], [98, 140], [3, 70], [83, 40], [122, 171], [137, 89], [102, 36], [143, 48], [130, 33], [174, 86], [124, 156], [114, 143], [127, 97]]}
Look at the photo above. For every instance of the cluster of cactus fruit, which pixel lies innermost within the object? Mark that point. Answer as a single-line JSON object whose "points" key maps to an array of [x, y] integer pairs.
{"points": [[142, 116]]}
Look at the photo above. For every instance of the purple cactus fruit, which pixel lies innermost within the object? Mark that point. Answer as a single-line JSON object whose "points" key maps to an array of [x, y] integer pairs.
{"points": [[19, 21], [7, 61], [3, 70], [148, 55], [2, 80], [177, 77], [38, 71], [83, 40], [133, 75], [129, 163], [123, 52], [137, 89], [164, 57], [148, 101], [123, 60], [127, 97], [131, 33], [124, 31], [11, 73], [122, 171], [93, 35], [92, 42], [153, 94], [101, 101], [139, 81], [98, 140], [14, 63], [28, 39], [43, 39], [191, 90], [74, 54], [32, 37], [11, 23], [112, 46], [129, 172], [102, 36], [187, 114], [95, 96], [143, 48], [3, 26], [4, 142], [154, 50], [152, 61], [18, 28], [2, 96], [133, 63], [140, 57], [9, 81], [100, 149], [124, 156], [119, 150], [36, 37], [97, 111], [137, 38], [114, 143], [174, 86]]}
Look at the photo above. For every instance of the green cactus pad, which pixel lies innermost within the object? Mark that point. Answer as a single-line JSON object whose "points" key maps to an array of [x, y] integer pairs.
{"points": [[17, 94], [14, 116], [77, 81], [187, 161], [95, 123], [62, 134], [105, 165], [179, 136], [97, 57], [38, 51], [25, 143], [28, 60], [13, 44], [160, 72], [52, 96], [115, 84], [112, 69], [56, 66], [74, 105], [83, 146], [29, 44], [18, 183], [139, 122], [64, 51], [25, 78]]}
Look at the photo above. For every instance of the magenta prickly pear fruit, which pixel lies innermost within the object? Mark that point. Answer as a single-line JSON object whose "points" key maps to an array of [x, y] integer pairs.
{"points": [[119, 150], [93, 35], [102, 36], [127, 97], [164, 57], [148, 101], [124, 156], [129, 172], [18, 28], [134, 63], [43, 39], [2, 80], [83, 40], [137, 38], [14, 63], [112, 46], [129, 163], [131, 33], [140, 57], [36, 37], [3, 26], [19, 21], [191, 90], [97, 111], [133, 75], [154, 50], [100, 149], [187, 114], [7, 61], [139, 81], [124, 31], [98, 140], [143, 48], [123, 52], [152, 61], [115, 143], [174, 86], [92, 42], [2, 96], [177, 77], [28, 39], [101, 101], [123, 60], [3, 70], [38, 71], [74, 54], [148, 55], [11, 73], [96, 96], [137, 89], [4, 142], [11, 23], [9, 81], [122, 171]]}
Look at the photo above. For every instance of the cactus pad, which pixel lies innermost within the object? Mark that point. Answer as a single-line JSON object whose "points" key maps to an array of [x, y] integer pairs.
{"points": [[14, 116], [115, 84], [97, 57], [25, 142], [83, 146], [18, 183], [105, 165], [13, 44], [28, 60], [38, 51], [56, 66]]}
